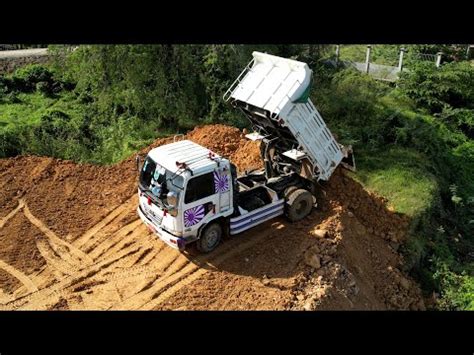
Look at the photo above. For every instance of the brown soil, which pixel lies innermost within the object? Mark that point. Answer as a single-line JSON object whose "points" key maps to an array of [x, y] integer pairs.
{"points": [[18, 240], [70, 239], [229, 142]]}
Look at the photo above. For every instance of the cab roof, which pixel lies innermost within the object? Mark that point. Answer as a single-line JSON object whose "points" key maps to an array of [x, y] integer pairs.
{"points": [[195, 156]]}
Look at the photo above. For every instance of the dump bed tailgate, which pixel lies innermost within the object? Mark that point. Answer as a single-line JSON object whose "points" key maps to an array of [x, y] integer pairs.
{"points": [[314, 138]]}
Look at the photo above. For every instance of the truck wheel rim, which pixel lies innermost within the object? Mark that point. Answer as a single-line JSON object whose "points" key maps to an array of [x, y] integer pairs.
{"points": [[212, 238]]}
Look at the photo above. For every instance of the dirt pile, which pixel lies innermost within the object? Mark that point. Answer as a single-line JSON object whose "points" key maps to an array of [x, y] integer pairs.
{"points": [[247, 156], [221, 139], [360, 266], [229, 142], [371, 209], [70, 239]]}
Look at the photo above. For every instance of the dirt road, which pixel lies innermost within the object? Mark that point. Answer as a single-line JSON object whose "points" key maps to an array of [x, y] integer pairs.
{"points": [[70, 238]]}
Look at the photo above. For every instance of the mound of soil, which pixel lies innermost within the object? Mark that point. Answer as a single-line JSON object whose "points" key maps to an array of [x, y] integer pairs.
{"points": [[229, 142], [247, 156], [70, 238]]}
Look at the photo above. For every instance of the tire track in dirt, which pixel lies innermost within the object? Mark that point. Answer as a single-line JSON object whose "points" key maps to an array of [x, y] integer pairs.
{"points": [[4, 297], [46, 296], [25, 280], [70, 274], [5, 219], [70, 252], [55, 261], [171, 261], [53, 253], [183, 271], [115, 242], [44, 278], [194, 274], [48, 250], [141, 270], [115, 216], [138, 257]]}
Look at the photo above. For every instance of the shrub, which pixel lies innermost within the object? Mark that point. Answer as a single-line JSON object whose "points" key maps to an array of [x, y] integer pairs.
{"points": [[457, 289], [435, 88], [349, 104], [45, 88], [12, 98], [459, 118], [33, 73], [9, 145]]}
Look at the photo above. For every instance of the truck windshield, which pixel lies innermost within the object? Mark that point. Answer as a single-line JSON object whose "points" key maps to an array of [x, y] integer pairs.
{"points": [[158, 180]]}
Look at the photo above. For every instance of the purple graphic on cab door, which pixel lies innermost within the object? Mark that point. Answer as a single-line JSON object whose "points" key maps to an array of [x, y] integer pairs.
{"points": [[221, 182], [193, 215]]}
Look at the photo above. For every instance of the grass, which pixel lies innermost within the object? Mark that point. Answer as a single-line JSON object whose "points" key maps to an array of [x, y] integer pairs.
{"points": [[122, 137], [399, 174], [28, 110], [353, 52], [380, 54], [32, 106]]}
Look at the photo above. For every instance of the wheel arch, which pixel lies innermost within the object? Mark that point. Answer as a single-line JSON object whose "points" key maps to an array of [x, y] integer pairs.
{"points": [[223, 221]]}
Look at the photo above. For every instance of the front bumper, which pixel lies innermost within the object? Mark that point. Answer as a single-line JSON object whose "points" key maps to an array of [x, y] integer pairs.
{"points": [[171, 240]]}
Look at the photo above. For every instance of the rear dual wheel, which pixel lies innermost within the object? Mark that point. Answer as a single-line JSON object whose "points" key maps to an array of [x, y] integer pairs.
{"points": [[299, 203]]}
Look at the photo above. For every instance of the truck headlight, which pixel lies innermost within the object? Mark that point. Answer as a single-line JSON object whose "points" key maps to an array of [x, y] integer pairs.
{"points": [[172, 199]]}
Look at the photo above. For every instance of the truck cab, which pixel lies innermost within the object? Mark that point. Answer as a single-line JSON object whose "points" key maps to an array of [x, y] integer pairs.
{"points": [[182, 188]]}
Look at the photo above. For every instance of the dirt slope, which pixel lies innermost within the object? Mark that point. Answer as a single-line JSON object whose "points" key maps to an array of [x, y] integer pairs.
{"points": [[70, 239]]}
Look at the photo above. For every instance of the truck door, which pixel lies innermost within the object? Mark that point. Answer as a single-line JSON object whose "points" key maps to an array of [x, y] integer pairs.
{"points": [[200, 202], [222, 184]]}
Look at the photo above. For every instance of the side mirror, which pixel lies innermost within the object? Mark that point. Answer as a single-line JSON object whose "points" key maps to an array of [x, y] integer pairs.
{"points": [[137, 159]]}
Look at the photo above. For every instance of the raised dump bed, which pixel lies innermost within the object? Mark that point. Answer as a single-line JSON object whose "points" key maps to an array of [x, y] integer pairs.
{"points": [[273, 92]]}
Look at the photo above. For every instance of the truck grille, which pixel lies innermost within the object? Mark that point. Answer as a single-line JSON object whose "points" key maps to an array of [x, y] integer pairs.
{"points": [[156, 220], [152, 216]]}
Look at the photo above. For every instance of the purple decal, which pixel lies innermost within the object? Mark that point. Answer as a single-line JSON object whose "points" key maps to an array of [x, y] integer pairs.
{"points": [[221, 182], [193, 216]]}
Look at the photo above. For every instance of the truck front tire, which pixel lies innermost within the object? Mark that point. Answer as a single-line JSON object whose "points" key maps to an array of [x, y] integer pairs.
{"points": [[299, 204], [210, 238]]}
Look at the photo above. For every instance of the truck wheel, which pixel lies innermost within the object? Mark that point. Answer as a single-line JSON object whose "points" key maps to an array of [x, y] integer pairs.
{"points": [[288, 191], [299, 205], [210, 238]]}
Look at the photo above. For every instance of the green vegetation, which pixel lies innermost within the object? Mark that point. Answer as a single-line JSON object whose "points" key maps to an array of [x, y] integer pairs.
{"points": [[388, 54], [379, 54], [413, 142], [401, 175]]}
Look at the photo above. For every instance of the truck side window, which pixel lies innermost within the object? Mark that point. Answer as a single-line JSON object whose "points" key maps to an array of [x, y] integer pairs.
{"points": [[199, 187]]}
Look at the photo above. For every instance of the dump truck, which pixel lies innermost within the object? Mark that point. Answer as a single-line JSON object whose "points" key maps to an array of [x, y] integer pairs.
{"points": [[188, 194]]}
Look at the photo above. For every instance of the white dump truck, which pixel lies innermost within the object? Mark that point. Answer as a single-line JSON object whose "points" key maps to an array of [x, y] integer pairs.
{"points": [[189, 194]]}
